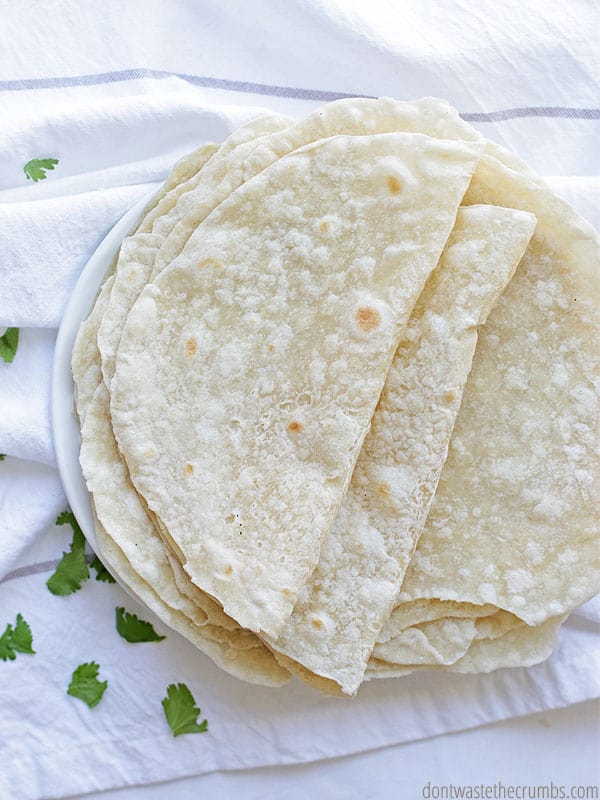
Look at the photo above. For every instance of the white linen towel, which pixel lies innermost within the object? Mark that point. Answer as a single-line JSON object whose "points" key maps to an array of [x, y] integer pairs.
{"points": [[117, 92]]}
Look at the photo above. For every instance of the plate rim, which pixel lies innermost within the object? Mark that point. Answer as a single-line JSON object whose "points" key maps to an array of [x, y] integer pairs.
{"points": [[64, 425]]}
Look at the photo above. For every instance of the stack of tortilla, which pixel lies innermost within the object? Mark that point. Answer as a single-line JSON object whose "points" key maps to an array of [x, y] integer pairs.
{"points": [[339, 400]]}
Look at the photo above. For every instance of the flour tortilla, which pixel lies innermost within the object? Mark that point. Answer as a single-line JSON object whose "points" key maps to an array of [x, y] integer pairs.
{"points": [[122, 513], [281, 318], [341, 611], [520, 646], [246, 153], [253, 666], [116, 495], [136, 255], [104, 470], [136, 260], [86, 358], [443, 641], [496, 625], [209, 187], [234, 163], [184, 176], [383, 669], [431, 643], [181, 179], [515, 518], [116, 502], [349, 117], [506, 158], [215, 169], [414, 613], [213, 610], [144, 565]]}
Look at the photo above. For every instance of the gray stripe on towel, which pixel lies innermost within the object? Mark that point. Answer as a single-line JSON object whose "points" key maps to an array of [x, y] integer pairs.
{"points": [[245, 87]]}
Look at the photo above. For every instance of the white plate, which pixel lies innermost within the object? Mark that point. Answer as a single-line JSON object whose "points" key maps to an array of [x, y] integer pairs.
{"points": [[65, 426]]}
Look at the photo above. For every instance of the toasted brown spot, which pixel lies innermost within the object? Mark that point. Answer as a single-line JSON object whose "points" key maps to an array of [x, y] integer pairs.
{"points": [[324, 226], [394, 185], [449, 395], [295, 427], [209, 262], [228, 569], [384, 489], [287, 592], [316, 623], [367, 318], [191, 347], [270, 348], [188, 469]]}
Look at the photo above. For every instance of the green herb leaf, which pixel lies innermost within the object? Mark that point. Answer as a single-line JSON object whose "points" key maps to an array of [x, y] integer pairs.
{"points": [[134, 629], [9, 341], [85, 684], [72, 569], [68, 518], [102, 574], [2, 456], [181, 712], [70, 573], [16, 640], [22, 639], [35, 169], [6, 648]]}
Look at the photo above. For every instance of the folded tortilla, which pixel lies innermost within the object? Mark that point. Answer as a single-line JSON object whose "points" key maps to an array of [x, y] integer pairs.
{"points": [[341, 611], [516, 516], [139, 558], [280, 319]]}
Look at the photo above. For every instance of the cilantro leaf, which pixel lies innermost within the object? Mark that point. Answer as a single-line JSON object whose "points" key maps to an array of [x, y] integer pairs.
{"points": [[68, 518], [6, 648], [135, 630], [181, 712], [35, 169], [2, 456], [85, 684], [72, 569], [71, 572], [22, 639], [9, 341], [102, 574], [16, 640]]}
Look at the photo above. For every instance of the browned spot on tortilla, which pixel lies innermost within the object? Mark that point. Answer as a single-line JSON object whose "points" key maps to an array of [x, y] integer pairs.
{"points": [[191, 347], [209, 262], [324, 226], [384, 489], [367, 318], [449, 395], [316, 623], [188, 469], [295, 427], [228, 569], [394, 185], [287, 592], [270, 348]]}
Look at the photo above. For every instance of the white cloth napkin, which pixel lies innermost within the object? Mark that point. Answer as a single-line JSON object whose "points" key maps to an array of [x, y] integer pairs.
{"points": [[117, 92]]}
